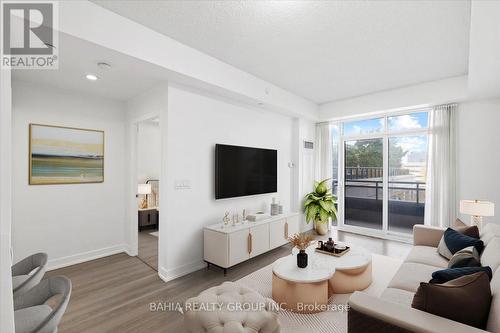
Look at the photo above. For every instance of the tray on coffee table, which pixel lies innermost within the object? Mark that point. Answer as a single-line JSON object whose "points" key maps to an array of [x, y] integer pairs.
{"points": [[333, 253]]}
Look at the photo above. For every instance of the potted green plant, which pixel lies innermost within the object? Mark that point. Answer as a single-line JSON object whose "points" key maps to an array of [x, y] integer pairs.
{"points": [[320, 206]]}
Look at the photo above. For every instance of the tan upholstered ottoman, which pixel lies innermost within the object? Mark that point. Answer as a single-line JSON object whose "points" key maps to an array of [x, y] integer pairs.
{"points": [[230, 308]]}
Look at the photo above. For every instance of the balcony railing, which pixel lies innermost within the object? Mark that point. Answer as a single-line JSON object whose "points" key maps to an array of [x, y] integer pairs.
{"points": [[364, 201]]}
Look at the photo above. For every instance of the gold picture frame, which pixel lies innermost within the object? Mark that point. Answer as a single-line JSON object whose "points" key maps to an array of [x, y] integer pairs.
{"points": [[65, 155]]}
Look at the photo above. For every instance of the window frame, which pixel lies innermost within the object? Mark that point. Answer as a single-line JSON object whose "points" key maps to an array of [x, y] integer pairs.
{"points": [[385, 134]]}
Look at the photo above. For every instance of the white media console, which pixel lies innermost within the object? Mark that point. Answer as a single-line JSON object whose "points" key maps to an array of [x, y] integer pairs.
{"points": [[230, 245]]}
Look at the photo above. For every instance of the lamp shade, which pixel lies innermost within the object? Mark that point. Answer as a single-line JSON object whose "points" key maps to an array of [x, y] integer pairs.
{"points": [[144, 189], [477, 208]]}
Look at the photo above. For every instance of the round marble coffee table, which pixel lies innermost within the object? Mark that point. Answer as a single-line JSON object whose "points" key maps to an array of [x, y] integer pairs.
{"points": [[305, 290], [353, 270]]}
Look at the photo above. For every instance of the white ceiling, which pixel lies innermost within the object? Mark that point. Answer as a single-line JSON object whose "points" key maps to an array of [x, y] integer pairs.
{"points": [[320, 50], [127, 78]]}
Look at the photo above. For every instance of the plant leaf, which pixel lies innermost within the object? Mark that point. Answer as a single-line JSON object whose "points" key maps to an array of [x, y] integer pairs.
{"points": [[308, 201], [323, 215], [311, 212], [324, 205]]}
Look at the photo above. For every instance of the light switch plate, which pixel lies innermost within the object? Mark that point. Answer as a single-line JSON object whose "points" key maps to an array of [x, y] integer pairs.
{"points": [[182, 184]]}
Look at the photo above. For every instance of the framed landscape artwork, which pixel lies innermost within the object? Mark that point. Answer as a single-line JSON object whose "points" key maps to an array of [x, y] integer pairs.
{"points": [[65, 155]]}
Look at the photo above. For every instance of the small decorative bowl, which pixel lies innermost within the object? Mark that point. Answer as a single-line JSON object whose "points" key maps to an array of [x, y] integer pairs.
{"points": [[339, 248]]}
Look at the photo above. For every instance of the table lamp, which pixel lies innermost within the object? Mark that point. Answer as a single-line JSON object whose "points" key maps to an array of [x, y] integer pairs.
{"points": [[477, 209], [144, 189]]}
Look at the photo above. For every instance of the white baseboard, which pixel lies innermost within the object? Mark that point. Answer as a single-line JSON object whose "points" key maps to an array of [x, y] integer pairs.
{"points": [[85, 256], [173, 273], [130, 252]]}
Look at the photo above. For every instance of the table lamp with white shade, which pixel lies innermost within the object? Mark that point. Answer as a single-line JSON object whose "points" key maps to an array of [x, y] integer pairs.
{"points": [[144, 189], [477, 209]]}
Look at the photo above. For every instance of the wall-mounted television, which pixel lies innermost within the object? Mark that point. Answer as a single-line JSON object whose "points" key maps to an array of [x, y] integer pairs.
{"points": [[241, 171]]}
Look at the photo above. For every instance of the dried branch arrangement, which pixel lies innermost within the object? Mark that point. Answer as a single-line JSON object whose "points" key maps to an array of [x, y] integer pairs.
{"points": [[301, 241]]}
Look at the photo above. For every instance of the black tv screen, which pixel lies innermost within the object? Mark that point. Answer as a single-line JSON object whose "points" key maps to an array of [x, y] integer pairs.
{"points": [[241, 171]]}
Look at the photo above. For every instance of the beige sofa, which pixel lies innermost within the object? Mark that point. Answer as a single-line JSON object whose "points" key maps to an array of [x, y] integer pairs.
{"points": [[392, 311]]}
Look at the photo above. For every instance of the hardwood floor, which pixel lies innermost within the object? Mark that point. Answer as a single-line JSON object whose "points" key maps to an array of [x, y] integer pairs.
{"points": [[148, 248], [114, 294]]}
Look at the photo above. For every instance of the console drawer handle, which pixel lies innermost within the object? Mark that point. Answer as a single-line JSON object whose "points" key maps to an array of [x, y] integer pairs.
{"points": [[249, 243], [286, 230]]}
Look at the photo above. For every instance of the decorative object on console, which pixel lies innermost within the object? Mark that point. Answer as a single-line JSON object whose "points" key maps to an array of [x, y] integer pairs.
{"points": [[259, 216], [477, 209], [144, 189], [65, 155], [225, 219], [275, 209], [320, 206], [301, 241]]}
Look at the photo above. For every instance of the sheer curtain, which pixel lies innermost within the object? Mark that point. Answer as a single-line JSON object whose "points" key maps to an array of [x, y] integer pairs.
{"points": [[440, 197], [324, 161]]}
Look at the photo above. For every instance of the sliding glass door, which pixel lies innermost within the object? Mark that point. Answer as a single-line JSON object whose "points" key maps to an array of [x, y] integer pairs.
{"points": [[382, 173], [363, 189]]}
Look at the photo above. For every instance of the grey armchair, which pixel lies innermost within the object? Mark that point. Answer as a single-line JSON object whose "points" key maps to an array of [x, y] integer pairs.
{"points": [[28, 273], [32, 314]]}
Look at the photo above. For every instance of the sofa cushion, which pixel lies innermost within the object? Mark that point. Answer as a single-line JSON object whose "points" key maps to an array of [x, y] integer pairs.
{"points": [[494, 317], [453, 241], [489, 231], [491, 254], [469, 230], [466, 299], [399, 296], [410, 275], [449, 274], [426, 255], [468, 257]]}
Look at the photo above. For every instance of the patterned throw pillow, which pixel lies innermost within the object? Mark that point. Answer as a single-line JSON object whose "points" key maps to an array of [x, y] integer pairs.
{"points": [[449, 274], [468, 257], [453, 241]]}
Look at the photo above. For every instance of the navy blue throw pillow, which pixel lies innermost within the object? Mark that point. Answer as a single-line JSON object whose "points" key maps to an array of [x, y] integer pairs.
{"points": [[456, 241], [449, 274]]}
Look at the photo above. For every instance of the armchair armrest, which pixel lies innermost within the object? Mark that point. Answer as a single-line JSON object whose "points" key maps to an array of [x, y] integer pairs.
{"points": [[401, 318], [427, 235]]}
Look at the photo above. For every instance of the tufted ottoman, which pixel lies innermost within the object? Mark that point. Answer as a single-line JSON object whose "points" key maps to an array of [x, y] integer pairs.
{"points": [[230, 308]]}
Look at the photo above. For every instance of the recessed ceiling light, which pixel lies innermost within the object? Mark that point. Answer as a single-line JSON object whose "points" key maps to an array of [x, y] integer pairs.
{"points": [[260, 104], [91, 77]]}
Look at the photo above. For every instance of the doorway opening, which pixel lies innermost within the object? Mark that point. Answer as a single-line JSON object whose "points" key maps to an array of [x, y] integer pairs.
{"points": [[148, 164]]}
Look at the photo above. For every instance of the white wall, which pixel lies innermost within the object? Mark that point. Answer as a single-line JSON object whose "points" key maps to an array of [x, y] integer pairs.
{"points": [[478, 154], [484, 52], [304, 169], [427, 93], [148, 151], [195, 124], [6, 304], [71, 223]]}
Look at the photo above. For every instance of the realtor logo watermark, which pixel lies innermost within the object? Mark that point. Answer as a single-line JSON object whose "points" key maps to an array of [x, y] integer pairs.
{"points": [[29, 35]]}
